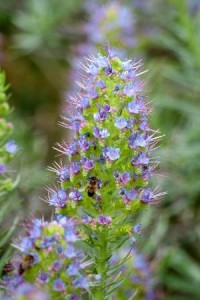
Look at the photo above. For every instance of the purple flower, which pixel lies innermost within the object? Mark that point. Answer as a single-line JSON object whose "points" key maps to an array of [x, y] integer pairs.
{"points": [[43, 277], [63, 173], [86, 219], [29, 291], [74, 168], [77, 122], [57, 265], [75, 195], [100, 133], [140, 160], [120, 123], [73, 268], [102, 61], [35, 232], [104, 133], [112, 153], [104, 220], [147, 196], [138, 140], [2, 169], [26, 244], [116, 89], [146, 172], [127, 65], [134, 107], [93, 70], [58, 198], [81, 282], [71, 149], [71, 235], [83, 143], [101, 115], [48, 242], [140, 263], [93, 94], [107, 108], [131, 89], [128, 75], [128, 195], [122, 178], [74, 297], [88, 164], [11, 147], [59, 285], [13, 282], [137, 228], [70, 251], [144, 125], [84, 103], [60, 250], [100, 84]]}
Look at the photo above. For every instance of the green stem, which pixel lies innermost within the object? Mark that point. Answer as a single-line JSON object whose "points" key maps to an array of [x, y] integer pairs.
{"points": [[101, 265]]}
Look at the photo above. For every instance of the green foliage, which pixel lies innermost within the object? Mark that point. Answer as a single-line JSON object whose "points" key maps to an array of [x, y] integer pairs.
{"points": [[7, 182], [42, 26], [172, 50]]}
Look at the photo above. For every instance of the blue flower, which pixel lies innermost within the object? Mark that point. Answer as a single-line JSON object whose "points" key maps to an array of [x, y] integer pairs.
{"points": [[120, 123], [104, 220], [101, 133], [11, 147], [74, 168], [57, 265], [83, 143], [73, 268], [70, 251], [3, 169], [81, 282], [137, 228], [43, 277], [135, 107], [100, 84], [59, 285], [75, 195], [112, 153], [122, 178], [58, 198], [147, 196], [88, 164], [26, 244], [101, 115]]}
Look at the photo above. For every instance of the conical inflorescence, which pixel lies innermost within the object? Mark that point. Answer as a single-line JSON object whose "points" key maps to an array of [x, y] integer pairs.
{"points": [[105, 181]]}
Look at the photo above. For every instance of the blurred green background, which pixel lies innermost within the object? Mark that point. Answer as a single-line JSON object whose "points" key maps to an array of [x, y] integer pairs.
{"points": [[40, 44]]}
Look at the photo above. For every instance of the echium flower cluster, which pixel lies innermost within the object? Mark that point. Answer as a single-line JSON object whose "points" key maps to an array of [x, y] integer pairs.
{"points": [[102, 187], [111, 21], [106, 180], [48, 261], [138, 278], [8, 148]]}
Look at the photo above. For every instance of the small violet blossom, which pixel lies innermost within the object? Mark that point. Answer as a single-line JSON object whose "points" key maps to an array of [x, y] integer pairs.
{"points": [[11, 147]]}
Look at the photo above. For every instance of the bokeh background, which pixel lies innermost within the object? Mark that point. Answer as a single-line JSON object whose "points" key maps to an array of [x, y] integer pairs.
{"points": [[41, 43]]}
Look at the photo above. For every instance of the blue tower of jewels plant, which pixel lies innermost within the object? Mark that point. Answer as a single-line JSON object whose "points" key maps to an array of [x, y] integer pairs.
{"points": [[102, 187], [106, 180]]}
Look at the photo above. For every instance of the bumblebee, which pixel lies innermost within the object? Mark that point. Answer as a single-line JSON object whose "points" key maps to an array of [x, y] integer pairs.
{"points": [[27, 261], [93, 185]]}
